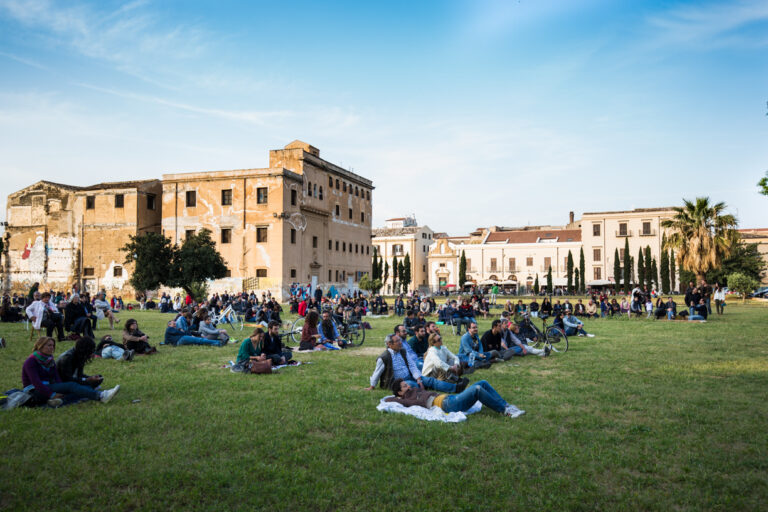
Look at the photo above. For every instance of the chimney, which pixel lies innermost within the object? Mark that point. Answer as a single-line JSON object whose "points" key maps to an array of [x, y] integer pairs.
{"points": [[570, 216]]}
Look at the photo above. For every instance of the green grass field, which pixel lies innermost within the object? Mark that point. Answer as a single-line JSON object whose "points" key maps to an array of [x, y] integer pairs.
{"points": [[646, 416]]}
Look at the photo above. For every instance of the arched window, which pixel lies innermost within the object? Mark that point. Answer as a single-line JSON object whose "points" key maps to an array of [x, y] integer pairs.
{"points": [[321, 191], [309, 189]]}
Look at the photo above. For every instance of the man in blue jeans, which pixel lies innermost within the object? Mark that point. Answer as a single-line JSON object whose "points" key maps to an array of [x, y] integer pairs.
{"points": [[175, 336], [574, 326], [394, 363]]}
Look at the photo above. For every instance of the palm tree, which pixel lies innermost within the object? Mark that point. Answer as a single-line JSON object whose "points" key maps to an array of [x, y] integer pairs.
{"points": [[702, 234]]}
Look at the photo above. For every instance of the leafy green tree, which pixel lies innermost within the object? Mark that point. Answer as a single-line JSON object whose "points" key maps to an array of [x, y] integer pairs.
{"points": [[406, 278], [549, 281], [536, 288], [648, 273], [672, 271], [569, 272], [152, 256], [616, 271], [664, 266], [702, 234], [742, 283], [744, 259], [395, 274], [462, 270], [368, 284], [627, 267], [196, 261], [582, 271], [763, 184]]}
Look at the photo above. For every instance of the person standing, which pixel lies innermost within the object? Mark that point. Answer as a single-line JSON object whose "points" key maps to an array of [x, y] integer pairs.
{"points": [[719, 298]]}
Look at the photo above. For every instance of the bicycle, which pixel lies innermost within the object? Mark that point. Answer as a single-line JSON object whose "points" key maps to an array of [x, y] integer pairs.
{"points": [[351, 330], [231, 317], [548, 336]]}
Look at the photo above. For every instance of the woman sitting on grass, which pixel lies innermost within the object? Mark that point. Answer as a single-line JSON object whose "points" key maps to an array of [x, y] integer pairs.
{"points": [[71, 364], [309, 335], [250, 349], [625, 307], [439, 362], [462, 402], [136, 340], [40, 376]]}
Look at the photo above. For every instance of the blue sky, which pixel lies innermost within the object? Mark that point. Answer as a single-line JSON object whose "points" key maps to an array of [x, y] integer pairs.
{"points": [[464, 113]]}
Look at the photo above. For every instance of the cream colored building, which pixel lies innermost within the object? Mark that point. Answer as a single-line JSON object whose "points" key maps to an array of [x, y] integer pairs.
{"points": [[61, 235], [403, 236], [302, 219], [602, 233], [760, 237]]}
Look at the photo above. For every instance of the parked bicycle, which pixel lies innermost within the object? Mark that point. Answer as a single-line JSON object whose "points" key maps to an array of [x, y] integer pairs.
{"points": [[548, 336], [230, 317], [350, 329]]}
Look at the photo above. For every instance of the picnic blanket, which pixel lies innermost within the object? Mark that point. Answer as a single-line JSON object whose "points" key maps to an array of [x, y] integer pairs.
{"points": [[433, 414]]}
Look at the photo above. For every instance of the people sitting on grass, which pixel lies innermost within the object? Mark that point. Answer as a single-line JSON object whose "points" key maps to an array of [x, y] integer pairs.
{"points": [[457, 317], [209, 332], [329, 333], [439, 362], [410, 322], [492, 342], [419, 342], [77, 319], [574, 326], [533, 308], [579, 309], [394, 363], [546, 307], [481, 391], [109, 349], [273, 345], [175, 335], [71, 364], [625, 307], [40, 377], [310, 338], [102, 309], [590, 311], [699, 311], [511, 341], [251, 349], [471, 350], [44, 314], [136, 340], [671, 308]]}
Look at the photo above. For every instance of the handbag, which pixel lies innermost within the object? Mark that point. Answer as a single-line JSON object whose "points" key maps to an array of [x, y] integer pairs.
{"points": [[264, 367]]}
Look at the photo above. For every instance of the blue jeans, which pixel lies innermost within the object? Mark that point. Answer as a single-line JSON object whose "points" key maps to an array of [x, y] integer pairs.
{"points": [[696, 317], [192, 340], [432, 383], [465, 357], [572, 331], [478, 391], [73, 388], [670, 315], [459, 321], [709, 306]]}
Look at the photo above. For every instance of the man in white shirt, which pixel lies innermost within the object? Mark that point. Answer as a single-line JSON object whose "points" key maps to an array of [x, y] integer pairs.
{"points": [[44, 314]]}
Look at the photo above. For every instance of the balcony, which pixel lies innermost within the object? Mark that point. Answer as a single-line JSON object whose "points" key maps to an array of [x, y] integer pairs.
{"points": [[625, 233], [651, 232], [493, 269]]}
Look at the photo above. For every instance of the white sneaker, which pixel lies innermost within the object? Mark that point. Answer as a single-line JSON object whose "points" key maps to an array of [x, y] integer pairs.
{"points": [[107, 395], [590, 335], [512, 411], [55, 402]]}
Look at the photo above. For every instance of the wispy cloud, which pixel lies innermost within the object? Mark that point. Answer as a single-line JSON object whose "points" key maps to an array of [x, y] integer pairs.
{"points": [[713, 25]]}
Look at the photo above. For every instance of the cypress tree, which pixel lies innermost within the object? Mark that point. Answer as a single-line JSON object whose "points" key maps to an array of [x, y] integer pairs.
{"points": [[462, 271], [649, 276], [406, 278], [549, 281], [654, 275], [672, 278], [385, 275], [576, 280], [394, 274], [640, 268], [616, 271], [536, 285], [375, 265], [582, 271], [569, 273], [664, 270], [401, 275], [627, 266]]}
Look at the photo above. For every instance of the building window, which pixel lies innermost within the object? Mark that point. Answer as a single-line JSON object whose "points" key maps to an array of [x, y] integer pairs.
{"points": [[337, 275], [595, 229], [321, 191], [330, 276], [261, 272], [512, 265], [337, 245], [90, 202], [423, 248], [598, 274], [337, 184], [314, 190], [646, 228], [117, 271], [547, 263], [344, 186], [293, 272], [261, 235], [350, 214], [330, 244], [343, 246], [398, 249], [119, 200], [293, 197], [226, 197], [442, 265], [191, 198], [330, 182], [528, 262], [423, 268], [189, 233], [621, 254], [357, 192], [596, 255], [88, 271], [368, 250], [623, 229], [309, 189], [150, 201], [337, 210], [226, 235], [293, 236], [314, 242], [261, 195], [493, 264], [355, 248], [362, 216], [368, 194]]}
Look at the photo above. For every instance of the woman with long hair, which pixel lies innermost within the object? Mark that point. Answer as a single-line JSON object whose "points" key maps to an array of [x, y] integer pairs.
{"points": [[136, 340], [309, 335]]}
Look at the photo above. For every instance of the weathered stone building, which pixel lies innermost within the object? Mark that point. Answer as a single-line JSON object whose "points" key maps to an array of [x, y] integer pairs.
{"points": [[59, 235], [302, 219]]}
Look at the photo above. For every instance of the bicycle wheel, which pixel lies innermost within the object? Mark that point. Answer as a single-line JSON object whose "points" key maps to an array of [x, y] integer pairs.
{"points": [[557, 338], [298, 326], [356, 334], [238, 324]]}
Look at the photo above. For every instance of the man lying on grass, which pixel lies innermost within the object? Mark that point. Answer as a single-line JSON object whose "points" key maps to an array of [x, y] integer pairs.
{"points": [[462, 402], [395, 363]]}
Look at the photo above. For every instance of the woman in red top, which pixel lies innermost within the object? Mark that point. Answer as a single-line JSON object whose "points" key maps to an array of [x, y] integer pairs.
{"points": [[309, 335]]}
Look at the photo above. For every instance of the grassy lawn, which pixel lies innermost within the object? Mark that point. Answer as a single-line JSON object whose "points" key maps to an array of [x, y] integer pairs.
{"points": [[647, 415]]}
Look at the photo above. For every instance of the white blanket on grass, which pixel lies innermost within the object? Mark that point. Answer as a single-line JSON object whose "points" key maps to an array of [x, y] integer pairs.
{"points": [[433, 414]]}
